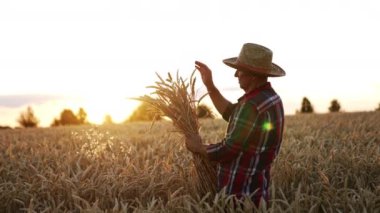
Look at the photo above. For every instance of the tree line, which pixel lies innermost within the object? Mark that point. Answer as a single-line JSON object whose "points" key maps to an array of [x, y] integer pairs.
{"points": [[307, 107], [143, 112], [27, 119], [67, 117]]}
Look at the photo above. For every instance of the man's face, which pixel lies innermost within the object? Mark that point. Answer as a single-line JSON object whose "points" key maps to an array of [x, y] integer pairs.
{"points": [[245, 79]]}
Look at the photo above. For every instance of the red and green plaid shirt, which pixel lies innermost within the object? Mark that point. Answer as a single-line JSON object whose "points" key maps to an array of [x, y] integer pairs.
{"points": [[251, 143]]}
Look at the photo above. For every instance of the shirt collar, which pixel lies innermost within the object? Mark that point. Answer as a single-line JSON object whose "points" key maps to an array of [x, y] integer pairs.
{"points": [[254, 92]]}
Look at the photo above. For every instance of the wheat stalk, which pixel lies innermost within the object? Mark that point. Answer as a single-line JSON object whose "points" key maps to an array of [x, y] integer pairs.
{"points": [[175, 98]]}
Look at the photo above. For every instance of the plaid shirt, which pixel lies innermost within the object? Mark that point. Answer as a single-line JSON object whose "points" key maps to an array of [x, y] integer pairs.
{"points": [[251, 143]]}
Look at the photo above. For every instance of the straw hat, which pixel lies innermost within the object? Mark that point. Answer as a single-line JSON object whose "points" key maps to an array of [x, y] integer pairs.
{"points": [[257, 60]]}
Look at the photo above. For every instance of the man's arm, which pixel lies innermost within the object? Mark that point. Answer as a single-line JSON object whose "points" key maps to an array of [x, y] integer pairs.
{"points": [[219, 101]]}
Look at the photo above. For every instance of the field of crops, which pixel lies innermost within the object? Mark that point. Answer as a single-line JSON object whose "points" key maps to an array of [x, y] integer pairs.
{"points": [[328, 163]]}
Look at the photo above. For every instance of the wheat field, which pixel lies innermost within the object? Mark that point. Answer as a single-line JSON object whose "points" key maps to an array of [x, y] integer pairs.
{"points": [[327, 163]]}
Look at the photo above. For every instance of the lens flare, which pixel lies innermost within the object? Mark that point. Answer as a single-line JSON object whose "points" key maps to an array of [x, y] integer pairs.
{"points": [[267, 126]]}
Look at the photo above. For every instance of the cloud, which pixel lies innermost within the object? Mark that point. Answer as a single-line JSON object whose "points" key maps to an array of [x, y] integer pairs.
{"points": [[13, 101]]}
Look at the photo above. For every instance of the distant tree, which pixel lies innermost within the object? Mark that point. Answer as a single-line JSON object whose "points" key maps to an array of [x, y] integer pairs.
{"points": [[82, 116], [27, 119], [203, 111], [378, 108], [108, 120], [144, 112], [56, 122], [335, 106], [68, 118], [306, 106]]}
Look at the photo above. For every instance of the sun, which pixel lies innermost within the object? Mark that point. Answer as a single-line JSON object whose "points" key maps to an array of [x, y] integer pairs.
{"points": [[108, 98], [118, 107]]}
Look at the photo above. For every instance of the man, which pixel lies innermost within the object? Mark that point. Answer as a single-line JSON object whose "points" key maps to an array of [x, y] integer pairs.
{"points": [[255, 125]]}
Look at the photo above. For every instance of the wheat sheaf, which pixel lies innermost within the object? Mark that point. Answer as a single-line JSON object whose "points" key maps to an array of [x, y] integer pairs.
{"points": [[176, 99]]}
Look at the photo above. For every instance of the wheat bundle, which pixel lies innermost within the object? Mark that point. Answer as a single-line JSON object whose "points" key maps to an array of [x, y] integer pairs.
{"points": [[175, 98]]}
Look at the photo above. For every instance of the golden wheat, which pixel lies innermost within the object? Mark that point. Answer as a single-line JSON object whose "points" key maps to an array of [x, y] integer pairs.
{"points": [[176, 99], [327, 163]]}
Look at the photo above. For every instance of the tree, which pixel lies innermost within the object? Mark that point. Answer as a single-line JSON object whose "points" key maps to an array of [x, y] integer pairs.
{"points": [[144, 112], [203, 111], [27, 119], [82, 116], [378, 108], [108, 120], [335, 106], [56, 122], [68, 118], [306, 106]]}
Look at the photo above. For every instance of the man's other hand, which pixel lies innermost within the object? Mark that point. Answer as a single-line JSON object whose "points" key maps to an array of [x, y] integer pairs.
{"points": [[194, 144]]}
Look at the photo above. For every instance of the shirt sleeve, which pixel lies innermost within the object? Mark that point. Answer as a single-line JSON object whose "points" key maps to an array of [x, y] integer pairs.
{"points": [[237, 137], [227, 113]]}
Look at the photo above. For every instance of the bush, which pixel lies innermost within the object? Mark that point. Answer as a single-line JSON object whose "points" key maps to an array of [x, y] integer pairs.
{"points": [[306, 106], [335, 106], [67, 117], [108, 120], [204, 111], [82, 116], [144, 112], [28, 119]]}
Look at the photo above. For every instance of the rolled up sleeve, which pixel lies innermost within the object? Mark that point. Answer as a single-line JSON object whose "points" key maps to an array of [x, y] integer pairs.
{"points": [[239, 131], [228, 112]]}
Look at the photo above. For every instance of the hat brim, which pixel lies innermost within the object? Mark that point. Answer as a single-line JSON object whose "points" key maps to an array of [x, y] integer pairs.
{"points": [[275, 71]]}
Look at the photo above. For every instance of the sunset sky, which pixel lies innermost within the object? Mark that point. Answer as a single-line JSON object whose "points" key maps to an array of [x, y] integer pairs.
{"points": [[97, 54]]}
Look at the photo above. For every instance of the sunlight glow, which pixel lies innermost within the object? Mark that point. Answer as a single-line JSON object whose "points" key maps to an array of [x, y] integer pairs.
{"points": [[118, 108], [99, 53]]}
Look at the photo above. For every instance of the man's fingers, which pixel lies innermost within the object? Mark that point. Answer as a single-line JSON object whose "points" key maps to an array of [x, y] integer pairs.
{"points": [[200, 65], [202, 70]]}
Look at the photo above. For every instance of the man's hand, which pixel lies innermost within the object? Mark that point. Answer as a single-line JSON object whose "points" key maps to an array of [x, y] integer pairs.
{"points": [[206, 75], [194, 144]]}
